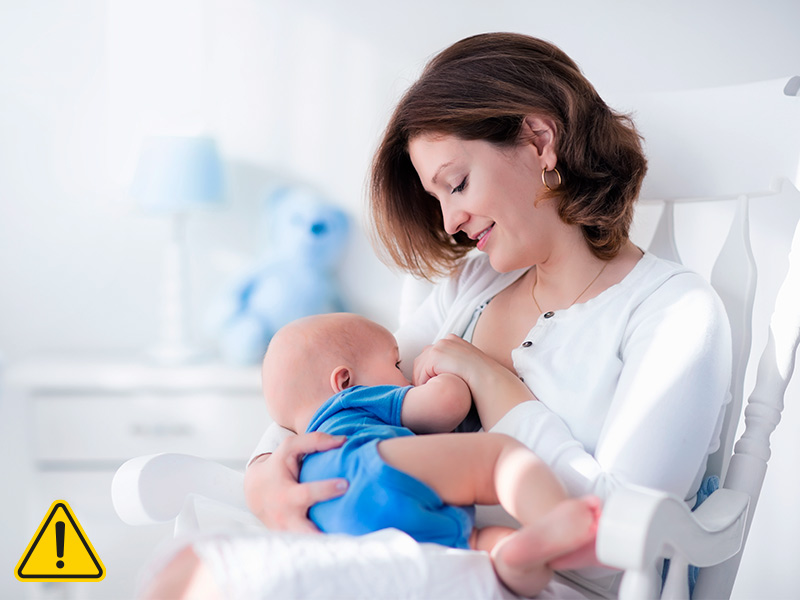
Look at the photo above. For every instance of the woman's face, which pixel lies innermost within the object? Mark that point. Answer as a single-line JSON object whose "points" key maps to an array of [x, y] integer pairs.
{"points": [[488, 192]]}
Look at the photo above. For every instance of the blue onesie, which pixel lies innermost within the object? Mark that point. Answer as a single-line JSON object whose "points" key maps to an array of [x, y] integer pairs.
{"points": [[379, 496]]}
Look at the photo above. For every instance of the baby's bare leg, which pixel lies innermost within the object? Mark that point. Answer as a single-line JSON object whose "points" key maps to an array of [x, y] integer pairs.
{"points": [[524, 560], [478, 468], [485, 468], [486, 538]]}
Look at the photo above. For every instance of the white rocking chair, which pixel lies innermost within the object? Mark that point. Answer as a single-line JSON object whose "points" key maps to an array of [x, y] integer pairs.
{"points": [[717, 160], [699, 152]]}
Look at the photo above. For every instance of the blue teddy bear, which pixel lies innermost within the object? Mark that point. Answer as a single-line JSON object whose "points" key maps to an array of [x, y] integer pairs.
{"points": [[307, 236]]}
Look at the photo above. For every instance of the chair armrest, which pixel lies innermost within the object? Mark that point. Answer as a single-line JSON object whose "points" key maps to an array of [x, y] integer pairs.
{"points": [[154, 488], [640, 527]]}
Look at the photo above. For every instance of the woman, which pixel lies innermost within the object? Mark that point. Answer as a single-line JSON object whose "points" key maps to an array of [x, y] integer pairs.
{"points": [[609, 363]]}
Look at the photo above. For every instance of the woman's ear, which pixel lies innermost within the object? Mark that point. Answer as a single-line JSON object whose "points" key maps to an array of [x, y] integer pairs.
{"points": [[541, 132], [341, 379]]}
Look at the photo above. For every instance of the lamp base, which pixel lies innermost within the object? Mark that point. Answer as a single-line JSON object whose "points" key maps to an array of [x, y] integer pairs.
{"points": [[173, 346]]}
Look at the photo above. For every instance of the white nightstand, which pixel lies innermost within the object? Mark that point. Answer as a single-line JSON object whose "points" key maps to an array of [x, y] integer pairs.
{"points": [[78, 420]]}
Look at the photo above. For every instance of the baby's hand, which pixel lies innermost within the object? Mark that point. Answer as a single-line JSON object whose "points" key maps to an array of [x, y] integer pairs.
{"points": [[438, 405]]}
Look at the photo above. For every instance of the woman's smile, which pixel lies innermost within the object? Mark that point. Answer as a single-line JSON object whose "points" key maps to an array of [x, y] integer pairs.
{"points": [[483, 237]]}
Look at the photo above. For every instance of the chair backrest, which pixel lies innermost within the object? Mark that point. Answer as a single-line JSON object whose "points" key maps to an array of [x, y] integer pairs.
{"points": [[734, 278], [730, 144]]}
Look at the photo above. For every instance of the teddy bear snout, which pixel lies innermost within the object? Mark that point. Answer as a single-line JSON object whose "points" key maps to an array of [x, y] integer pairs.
{"points": [[319, 228]]}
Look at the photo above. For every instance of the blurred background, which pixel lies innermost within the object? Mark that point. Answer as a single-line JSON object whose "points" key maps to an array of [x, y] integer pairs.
{"points": [[291, 92]]}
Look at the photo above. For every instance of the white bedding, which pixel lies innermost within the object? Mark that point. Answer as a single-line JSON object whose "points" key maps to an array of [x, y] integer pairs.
{"points": [[384, 564]]}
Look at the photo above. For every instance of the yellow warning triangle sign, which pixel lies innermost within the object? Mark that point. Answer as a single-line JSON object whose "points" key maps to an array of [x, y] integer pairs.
{"points": [[59, 550]]}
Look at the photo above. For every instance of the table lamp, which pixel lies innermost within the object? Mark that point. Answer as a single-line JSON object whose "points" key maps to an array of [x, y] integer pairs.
{"points": [[175, 175]]}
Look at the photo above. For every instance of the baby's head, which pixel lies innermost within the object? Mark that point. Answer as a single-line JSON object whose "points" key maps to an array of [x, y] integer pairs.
{"points": [[313, 358]]}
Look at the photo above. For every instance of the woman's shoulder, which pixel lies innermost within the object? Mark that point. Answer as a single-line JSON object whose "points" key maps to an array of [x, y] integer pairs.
{"points": [[674, 302], [653, 273], [663, 284]]}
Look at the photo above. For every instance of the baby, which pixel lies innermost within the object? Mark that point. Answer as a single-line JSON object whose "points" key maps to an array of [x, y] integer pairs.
{"points": [[339, 373]]}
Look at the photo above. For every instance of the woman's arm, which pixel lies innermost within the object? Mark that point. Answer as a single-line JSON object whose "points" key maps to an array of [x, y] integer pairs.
{"points": [[271, 439], [270, 482], [664, 414]]}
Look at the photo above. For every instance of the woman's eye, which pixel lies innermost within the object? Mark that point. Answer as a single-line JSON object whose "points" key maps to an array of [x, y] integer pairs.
{"points": [[460, 187], [397, 364]]}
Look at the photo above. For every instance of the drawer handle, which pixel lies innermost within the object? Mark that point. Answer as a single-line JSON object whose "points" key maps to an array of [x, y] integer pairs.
{"points": [[161, 430]]}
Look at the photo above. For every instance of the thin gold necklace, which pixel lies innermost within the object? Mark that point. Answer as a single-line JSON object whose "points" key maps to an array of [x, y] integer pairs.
{"points": [[596, 277]]}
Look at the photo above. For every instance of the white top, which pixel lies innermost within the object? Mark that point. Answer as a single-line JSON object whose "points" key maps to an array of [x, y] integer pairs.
{"points": [[631, 384]]}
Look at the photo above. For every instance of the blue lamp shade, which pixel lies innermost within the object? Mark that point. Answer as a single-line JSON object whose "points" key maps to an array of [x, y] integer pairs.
{"points": [[176, 174]]}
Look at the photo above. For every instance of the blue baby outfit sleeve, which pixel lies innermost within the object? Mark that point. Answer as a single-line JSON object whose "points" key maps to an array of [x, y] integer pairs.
{"points": [[350, 410]]}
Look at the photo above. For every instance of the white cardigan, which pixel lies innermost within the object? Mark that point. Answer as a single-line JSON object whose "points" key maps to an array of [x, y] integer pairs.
{"points": [[630, 384]]}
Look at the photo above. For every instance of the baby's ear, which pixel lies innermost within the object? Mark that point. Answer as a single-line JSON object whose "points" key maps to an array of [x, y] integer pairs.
{"points": [[341, 379]]}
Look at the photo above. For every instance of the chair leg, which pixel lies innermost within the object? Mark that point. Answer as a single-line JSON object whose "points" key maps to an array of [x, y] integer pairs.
{"points": [[186, 521], [639, 584], [677, 585]]}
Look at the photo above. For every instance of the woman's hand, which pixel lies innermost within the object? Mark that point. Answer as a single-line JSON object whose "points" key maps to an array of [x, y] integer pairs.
{"points": [[495, 389], [451, 354], [271, 488]]}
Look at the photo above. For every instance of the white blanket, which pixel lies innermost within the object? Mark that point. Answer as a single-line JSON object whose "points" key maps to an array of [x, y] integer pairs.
{"points": [[384, 564]]}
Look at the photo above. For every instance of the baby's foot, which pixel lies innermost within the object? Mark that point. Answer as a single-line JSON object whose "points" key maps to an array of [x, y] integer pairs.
{"points": [[521, 560]]}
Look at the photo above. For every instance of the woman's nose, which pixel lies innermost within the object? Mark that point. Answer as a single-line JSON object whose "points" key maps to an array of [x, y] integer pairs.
{"points": [[454, 218]]}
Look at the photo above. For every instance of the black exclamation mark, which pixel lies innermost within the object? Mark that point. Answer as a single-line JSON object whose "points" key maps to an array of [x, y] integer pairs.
{"points": [[60, 543]]}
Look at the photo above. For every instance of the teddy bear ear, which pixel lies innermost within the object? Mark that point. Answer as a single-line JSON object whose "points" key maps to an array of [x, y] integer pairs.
{"points": [[342, 221], [275, 196]]}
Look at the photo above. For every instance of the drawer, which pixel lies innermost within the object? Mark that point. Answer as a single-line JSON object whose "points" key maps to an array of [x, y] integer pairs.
{"points": [[122, 549], [113, 428]]}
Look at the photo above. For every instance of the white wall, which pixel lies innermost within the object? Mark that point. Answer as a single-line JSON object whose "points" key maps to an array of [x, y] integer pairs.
{"points": [[292, 90], [299, 91]]}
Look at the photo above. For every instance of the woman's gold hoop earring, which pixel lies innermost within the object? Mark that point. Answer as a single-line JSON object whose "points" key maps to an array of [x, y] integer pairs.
{"points": [[544, 179]]}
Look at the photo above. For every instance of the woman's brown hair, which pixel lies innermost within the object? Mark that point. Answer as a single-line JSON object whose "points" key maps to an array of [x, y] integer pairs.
{"points": [[482, 88]]}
